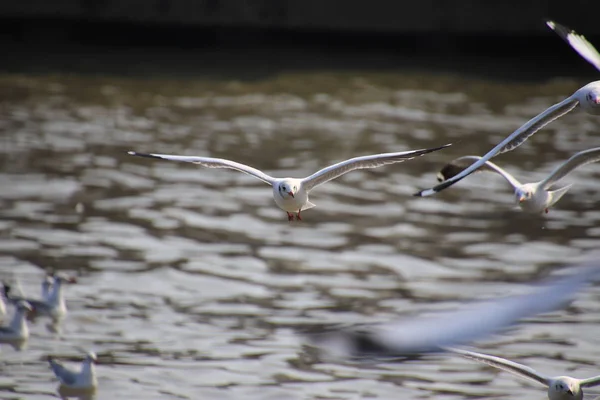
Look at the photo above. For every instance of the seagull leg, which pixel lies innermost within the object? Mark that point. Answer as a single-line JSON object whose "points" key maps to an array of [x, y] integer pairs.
{"points": [[298, 218], [546, 211], [290, 216]]}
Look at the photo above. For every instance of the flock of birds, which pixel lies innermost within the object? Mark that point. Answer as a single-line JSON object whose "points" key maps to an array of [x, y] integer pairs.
{"points": [[408, 337], [51, 304]]}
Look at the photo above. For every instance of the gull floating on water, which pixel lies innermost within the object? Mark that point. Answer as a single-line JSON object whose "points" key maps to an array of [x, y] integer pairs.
{"points": [[531, 197], [17, 329], [586, 98], [418, 335], [559, 387], [291, 194], [53, 306], [82, 383]]}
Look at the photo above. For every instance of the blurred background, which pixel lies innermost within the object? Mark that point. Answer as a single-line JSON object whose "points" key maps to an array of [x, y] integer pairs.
{"points": [[192, 284]]}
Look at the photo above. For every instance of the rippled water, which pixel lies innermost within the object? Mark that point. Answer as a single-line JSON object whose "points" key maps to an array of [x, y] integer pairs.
{"points": [[192, 282]]}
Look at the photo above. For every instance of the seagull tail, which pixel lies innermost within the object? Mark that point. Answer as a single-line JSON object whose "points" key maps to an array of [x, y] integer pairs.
{"points": [[307, 205], [555, 195]]}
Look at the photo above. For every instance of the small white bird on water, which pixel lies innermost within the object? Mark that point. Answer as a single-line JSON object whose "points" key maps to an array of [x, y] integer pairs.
{"points": [[53, 305], [418, 335], [533, 197], [586, 98], [81, 384], [17, 329], [291, 194], [559, 387]]}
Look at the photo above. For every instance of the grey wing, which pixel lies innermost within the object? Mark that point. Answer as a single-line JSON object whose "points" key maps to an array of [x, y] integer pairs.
{"points": [[211, 163], [578, 42], [590, 382], [503, 364], [576, 161], [371, 161], [63, 373], [511, 142], [454, 167], [432, 334]]}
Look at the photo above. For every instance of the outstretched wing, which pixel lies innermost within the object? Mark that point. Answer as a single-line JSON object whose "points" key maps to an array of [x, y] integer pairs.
{"points": [[589, 382], [454, 167], [578, 42], [211, 163], [505, 365], [576, 161], [432, 334], [372, 161], [63, 374], [511, 142]]}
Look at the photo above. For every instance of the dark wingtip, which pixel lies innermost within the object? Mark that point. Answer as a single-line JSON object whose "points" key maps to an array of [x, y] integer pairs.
{"points": [[147, 155]]}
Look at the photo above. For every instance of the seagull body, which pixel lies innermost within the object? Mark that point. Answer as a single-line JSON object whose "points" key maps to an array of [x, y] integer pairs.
{"points": [[85, 378], [2, 308], [586, 98], [291, 194], [17, 329], [53, 306], [559, 387], [419, 335], [533, 197]]}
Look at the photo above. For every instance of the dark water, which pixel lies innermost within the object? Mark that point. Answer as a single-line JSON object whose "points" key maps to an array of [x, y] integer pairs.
{"points": [[192, 282]]}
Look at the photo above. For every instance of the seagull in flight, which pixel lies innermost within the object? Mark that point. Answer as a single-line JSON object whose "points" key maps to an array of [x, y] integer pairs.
{"points": [[415, 336], [291, 194], [586, 98], [533, 197], [559, 387]]}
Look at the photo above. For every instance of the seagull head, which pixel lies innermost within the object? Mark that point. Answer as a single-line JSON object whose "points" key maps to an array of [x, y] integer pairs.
{"points": [[287, 189], [24, 306], [589, 97], [522, 195], [566, 386], [91, 357]]}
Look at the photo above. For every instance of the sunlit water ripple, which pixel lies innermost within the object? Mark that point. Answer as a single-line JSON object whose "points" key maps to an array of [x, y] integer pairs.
{"points": [[192, 283]]}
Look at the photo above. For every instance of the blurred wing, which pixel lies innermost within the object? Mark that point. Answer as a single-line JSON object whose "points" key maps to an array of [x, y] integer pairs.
{"points": [[432, 334], [511, 142], [505, 365], [576, 161], [454, 167], [212, 163], [62, 373], [589, 382], [372, 161], [578, 42]]}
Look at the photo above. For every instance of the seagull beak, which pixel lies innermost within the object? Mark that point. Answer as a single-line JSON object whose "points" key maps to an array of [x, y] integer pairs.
{"points": [[72, 279], [522, 199], [291, 193], [596, 100], [570, 392]]}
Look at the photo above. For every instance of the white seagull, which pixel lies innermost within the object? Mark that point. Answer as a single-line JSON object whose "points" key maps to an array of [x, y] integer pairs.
{"points": [[559, 387], [17, 329], [85, 378], [531, 197], [53, 306], [291, 194], [586, 98], [418, 335]]}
